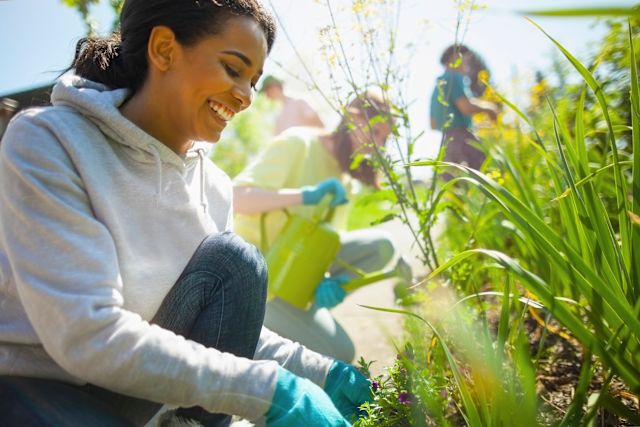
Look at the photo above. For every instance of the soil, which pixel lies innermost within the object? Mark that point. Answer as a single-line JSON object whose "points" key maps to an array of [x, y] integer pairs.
{"points": [[559, 373]]}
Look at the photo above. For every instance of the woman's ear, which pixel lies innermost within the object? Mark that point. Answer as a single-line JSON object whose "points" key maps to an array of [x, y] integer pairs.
{"points": [[161, 48]]}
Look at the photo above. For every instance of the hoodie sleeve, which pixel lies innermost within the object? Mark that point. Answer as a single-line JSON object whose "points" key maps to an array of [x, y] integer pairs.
{"points": [[67, 278], [293, 356]]}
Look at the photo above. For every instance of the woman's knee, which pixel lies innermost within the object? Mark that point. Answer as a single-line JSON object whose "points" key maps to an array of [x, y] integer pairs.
{"points": [[227, 254], [385, 250]]}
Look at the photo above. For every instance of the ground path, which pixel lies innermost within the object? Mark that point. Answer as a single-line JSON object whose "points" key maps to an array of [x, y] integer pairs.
{"points": [[375, 333]]}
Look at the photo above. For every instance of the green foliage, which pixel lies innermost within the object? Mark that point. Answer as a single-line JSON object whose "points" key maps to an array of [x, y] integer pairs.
{"points": [[395, 403], [83, 8], [594, 11], [370, 207], [463, 374], [245, 134]]}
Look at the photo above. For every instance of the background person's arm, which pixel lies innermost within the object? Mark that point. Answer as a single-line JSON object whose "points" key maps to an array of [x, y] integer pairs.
{"points": [[253, 199], [471, 106], [309, 117], [249, 200]]}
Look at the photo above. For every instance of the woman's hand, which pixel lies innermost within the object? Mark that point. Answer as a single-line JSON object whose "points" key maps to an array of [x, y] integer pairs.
{"points": [[347, 388], [299, 402], [330, 292], [312, 194]]}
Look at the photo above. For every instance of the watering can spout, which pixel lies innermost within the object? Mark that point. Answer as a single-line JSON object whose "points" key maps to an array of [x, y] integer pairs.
{"points": [[367, 278]]}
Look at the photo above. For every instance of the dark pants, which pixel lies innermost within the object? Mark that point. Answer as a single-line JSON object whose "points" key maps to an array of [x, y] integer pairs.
{"points": [[460, 149], [218, 301]]}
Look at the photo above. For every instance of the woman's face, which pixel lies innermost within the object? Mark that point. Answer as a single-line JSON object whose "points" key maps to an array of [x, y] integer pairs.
{"points": [[213, 80], [364, 134]]}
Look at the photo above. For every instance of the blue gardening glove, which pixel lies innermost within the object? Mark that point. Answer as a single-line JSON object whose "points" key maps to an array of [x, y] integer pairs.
{"points": [[330, 292], [299, 402], [347, 388], [312, 194]]}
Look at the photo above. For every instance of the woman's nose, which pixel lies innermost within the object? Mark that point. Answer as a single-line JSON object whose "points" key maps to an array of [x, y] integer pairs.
{"points": [[244, 94]]}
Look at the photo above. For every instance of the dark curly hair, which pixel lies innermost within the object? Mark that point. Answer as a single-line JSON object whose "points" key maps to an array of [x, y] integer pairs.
{"points": [[451, 52], [370, 105]]}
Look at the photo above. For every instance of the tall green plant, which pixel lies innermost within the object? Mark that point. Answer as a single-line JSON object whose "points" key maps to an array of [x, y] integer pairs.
{"points": [[588, 249]]}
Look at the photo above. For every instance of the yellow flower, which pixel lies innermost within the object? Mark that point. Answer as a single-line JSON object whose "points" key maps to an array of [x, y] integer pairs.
{"points": [[483, 76], [496, 175]]}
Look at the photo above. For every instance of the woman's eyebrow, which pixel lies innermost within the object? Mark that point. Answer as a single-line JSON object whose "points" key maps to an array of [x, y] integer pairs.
{"points": [[240, 55]]}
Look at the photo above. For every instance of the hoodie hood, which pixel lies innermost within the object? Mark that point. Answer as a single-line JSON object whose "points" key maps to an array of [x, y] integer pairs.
{"points": [[101, 104]]}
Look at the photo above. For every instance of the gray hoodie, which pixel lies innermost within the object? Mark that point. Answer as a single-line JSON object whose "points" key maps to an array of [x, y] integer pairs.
{"points": [[97, 221]]}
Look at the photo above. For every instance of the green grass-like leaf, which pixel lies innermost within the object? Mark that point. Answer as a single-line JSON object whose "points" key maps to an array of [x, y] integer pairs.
{"points": [[584, 12]]}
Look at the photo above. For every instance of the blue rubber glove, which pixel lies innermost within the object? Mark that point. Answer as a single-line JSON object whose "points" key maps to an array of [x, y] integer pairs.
{"points": [[347, 388], [312, 194], [299, 402], [330, 292]]}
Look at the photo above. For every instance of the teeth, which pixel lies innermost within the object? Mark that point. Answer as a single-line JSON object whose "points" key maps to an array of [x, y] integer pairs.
{"points": [[221, 110]]}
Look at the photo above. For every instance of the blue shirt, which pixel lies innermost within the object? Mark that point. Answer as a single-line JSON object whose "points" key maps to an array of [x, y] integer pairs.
{"points": [[450, 86]]}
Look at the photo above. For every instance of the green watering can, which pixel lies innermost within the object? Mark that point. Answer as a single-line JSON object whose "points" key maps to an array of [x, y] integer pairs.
{"points": [[302, 253]]}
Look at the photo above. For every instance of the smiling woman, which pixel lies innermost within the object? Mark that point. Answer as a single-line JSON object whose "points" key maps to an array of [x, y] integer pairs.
{"points": [[126, 287], [204, 85]]}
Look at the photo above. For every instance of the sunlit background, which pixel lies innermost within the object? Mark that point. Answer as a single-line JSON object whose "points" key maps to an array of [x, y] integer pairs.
{"points": [[37, 40]]}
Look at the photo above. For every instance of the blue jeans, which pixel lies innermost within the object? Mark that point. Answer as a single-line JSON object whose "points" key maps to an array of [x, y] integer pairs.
{"points": [[218, 301]]}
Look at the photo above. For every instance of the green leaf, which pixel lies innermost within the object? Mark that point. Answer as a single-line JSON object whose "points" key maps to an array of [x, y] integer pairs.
{"points": [[634, 242], [582, 12]]}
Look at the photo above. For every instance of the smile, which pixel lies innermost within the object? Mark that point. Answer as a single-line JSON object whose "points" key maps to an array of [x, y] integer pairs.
{"points": [[223, 112]]}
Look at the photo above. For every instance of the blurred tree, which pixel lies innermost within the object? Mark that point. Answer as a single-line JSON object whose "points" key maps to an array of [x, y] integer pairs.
{"points": [[82, 6]]}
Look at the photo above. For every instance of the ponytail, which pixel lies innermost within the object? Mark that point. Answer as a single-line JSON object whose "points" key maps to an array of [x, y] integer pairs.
{"points": [[101, 59], [98, 59]]}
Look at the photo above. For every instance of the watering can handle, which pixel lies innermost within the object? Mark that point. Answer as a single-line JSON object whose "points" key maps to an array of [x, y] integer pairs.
{"points": [[316, 216], [264, 243], [324, 205], [263, 233]]}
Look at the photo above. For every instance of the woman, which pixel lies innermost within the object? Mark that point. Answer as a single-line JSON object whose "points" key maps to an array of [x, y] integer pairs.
{"points": [[295, 171], [452, 107], [122, 285]]}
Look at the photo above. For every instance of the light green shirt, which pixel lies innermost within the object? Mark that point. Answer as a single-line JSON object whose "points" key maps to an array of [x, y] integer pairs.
{"points": [[294, 159]]}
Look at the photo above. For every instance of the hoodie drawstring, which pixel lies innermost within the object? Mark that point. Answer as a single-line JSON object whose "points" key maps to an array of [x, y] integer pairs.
{"points": [[203, 199], [158, 163]]}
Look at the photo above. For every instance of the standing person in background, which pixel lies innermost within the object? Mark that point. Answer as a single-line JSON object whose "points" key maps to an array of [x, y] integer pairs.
{"points": [[295, 171], [453, 105], [123, 286], [291, 111]]}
